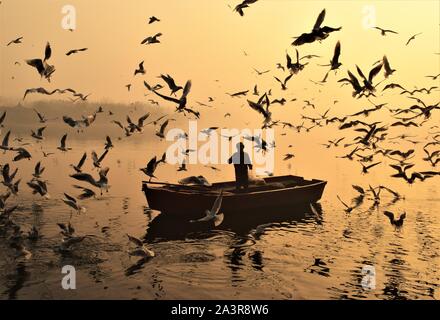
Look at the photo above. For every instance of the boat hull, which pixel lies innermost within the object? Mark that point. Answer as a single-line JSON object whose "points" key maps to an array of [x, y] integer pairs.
{"points": [[189, 204]]}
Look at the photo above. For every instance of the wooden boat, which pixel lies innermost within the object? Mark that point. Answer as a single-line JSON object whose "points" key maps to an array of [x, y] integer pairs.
{"points": [[190, 202]]}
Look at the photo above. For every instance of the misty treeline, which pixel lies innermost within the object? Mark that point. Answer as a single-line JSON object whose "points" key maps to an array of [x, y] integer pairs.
{"points": [[22, 118]]}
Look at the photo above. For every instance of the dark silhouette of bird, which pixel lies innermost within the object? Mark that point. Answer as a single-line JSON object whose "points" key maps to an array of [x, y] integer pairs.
{"points": [[151, 168], [413, 38], [39, 187], [366, 168], [108, 143], [348, 209], [171, 84], [404, 124], [63, 146], [22, 153], [280, 66], [393, 86], [368, 83], [102, 183], [39, 134], [384, 32], [260, 73], [98, 160], [75, 51], [281, 101], [139, 125], [152, 39], [259, 107], [334, 62], [15, 41], [153, 19], [5, 143], [433, 77], [401, 173], [85, 193], [40, 116], [161, 132], [296, 67], [181, 103], [2, 119], [318, 33], [78, 167], [354, 82], [432, 157], [386, 64], [72, 203], [395, 222], [238, 94], [38, 170], [284, 83], [140, 70], [44, 69], [245, 4]]}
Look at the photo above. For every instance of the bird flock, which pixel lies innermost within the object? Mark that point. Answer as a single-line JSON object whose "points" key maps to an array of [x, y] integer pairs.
{"points": [[370, 146]]}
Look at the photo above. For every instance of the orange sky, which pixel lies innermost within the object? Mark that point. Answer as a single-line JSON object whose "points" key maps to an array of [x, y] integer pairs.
{"points": [[204, 41]]}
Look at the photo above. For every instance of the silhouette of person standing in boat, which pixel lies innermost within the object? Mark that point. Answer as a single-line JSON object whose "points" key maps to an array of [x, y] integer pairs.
{"points": [[242, 162]]}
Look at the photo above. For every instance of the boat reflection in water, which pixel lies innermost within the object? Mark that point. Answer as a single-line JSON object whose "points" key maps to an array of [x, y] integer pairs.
{"points": [[164, 227], [247, 213]]}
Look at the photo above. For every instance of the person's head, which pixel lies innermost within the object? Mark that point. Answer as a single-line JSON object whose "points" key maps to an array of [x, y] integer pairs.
{"points": [[240, 146]]}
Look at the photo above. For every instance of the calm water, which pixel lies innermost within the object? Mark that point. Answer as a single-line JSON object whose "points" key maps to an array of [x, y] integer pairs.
{"points": [[292, 258]]}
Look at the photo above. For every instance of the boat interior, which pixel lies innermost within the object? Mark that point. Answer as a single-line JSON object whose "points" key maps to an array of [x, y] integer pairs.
{"points": [[263, 184]]}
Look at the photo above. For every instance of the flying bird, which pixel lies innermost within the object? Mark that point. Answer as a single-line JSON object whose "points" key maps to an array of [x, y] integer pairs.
{"points": [[2, 119], [81, 162], [386, 64], [296, 67], [334, 62], [151, 167], [97, 161], [140, 70], [39, 134], [152, 39], [413, 38], [73, 203], [260, 73], [395, 222], [102, 183], [38, 170], [384, 32], [347, 209], [245, 4], [139, 125], [181, 103], [85, 193], [39, 187], [63, 146], [15, 41], [141, 250], [433, 77], [108, 143], [153, 19], [44, 69], [161, 132], [171, 84], [318, 33], [76, 51], [214, 214], [284, 83]]}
